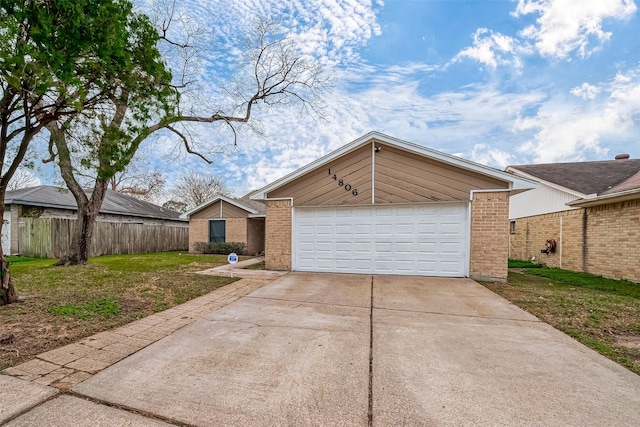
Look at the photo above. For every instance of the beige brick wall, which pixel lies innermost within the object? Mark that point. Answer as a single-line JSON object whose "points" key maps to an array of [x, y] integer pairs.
{"points": [[611, 249], [278, 235], [489, 236], [612, 240], [531, 236], [198, 232], [236, 230]]}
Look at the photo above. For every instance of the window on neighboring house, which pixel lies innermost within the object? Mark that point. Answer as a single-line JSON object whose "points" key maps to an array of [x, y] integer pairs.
{"points": [[217, 230], [512, 227]]}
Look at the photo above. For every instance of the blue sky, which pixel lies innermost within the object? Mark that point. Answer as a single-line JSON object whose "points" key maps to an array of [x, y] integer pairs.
{"points": [[496, 82]]}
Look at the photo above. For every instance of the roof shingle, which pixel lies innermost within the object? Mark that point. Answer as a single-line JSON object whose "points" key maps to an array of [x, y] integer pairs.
{"points": [[586, 177], [114, 202]]}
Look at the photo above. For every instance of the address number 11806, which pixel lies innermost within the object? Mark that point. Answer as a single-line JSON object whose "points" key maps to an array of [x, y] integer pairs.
{"points": [[341, 183]]}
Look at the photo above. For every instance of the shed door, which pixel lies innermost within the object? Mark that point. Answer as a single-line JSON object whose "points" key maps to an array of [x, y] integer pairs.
{"points": [[426, 240]]}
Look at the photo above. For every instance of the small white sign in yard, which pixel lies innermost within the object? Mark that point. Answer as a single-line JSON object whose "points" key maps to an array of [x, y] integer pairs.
{"points": [[232, 258]]}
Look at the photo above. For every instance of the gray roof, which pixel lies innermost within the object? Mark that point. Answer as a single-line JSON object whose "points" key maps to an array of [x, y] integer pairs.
{"points": [[114, 203], [586, 177], [251, 206], [255, 205]]}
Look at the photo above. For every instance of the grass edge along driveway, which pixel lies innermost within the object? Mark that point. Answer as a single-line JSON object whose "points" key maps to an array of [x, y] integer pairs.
{"points": [[603, 314], [60, 305]]}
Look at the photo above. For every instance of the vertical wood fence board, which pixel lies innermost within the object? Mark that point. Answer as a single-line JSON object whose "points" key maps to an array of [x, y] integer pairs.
{"points": [[51, 238]]}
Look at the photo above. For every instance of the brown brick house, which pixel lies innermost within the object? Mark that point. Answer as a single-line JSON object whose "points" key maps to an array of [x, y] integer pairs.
{"points": [[225, 219], [380, 205], [590, 209]]}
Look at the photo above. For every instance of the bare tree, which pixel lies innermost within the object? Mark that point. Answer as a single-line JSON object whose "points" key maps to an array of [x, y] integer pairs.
{"points": [[175, 206], [194, 189], [273, 73], [23, 178], [143, 184]]}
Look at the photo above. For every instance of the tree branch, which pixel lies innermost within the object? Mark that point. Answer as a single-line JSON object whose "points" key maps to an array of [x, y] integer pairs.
{"points": [[186, 144]]}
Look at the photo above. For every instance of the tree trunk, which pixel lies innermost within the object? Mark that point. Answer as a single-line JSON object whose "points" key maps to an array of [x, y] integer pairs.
{"points": [[88, 210], [8, 293]]}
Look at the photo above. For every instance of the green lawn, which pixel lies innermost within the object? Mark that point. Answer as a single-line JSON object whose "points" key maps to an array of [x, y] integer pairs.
{"points": [[60, 305]]}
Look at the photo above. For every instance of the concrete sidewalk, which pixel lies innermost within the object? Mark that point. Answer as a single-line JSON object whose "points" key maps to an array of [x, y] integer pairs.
{"points": [[312, 349]]}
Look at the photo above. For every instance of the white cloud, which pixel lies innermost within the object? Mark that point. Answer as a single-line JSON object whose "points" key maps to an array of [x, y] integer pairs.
{"points": [[330, 30], [565, 26], [585, 91], [561, 28], [573, 131], [492, 49], [486, 155]]}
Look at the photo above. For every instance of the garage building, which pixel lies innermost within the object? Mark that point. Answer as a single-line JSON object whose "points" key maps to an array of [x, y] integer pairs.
{"points": [[380, 205]]}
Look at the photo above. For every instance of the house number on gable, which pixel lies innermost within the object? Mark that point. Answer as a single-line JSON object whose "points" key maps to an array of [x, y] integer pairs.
{"points": [[341, 183]]}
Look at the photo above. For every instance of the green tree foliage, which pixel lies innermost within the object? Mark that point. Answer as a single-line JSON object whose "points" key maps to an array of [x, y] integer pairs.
{"points": [[106, 139], [62, 58]]}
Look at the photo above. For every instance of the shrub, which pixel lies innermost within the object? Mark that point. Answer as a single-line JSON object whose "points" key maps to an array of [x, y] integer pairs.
{"points": [[221, 248]]}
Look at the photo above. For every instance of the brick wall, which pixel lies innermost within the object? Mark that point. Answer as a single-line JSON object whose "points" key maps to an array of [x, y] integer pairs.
{"points": [[612, 240], [611, 248], [236, 230], [489, 236], [278, 235], [255, 236], [198, 232]]}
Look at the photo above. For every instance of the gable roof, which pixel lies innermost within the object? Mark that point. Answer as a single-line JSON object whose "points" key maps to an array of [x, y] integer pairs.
{"points": [[516, 184], [114, 203], [244, 203], [584, 177]]}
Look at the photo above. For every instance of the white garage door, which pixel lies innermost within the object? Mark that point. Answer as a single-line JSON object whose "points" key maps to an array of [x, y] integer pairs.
{"points": [[429, 240]]}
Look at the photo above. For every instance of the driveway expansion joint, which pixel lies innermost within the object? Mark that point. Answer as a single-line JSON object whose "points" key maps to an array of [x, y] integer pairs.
{"points": [[509, 319], [125, 408], [308, 302], [370, 409]]}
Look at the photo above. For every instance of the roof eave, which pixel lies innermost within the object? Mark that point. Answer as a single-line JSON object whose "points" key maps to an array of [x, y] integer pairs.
{"points": [[515, 183], [622, 196], [513, 170], [215, 199]]}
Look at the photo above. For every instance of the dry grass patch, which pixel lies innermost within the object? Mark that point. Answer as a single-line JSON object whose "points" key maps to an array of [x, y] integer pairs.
{"points": [[60, 305], [603, 314]]}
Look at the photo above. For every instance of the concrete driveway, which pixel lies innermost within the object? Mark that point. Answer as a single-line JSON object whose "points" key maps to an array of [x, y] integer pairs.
{"points": [[328, 349]]}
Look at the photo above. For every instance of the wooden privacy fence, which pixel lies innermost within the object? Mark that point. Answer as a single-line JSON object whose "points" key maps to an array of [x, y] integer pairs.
{"points": [[51, 237]]}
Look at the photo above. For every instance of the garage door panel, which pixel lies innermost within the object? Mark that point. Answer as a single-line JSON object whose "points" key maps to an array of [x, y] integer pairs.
{"points": [[344, 230], [324, 247], [424, 240], [451, 248], [362, 229], [427, 229], [343, 247], [427, 248]]}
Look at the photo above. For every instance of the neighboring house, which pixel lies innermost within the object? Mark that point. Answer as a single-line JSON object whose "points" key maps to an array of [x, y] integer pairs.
{"points": [[590, 209], [38, 221], [380, 205], [225, 219]]}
